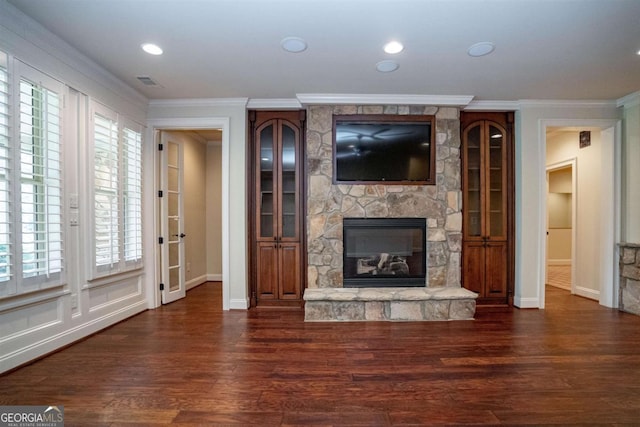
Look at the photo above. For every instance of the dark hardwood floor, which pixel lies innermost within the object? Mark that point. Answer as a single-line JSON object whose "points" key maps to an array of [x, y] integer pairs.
{"points": [[189, 363]]}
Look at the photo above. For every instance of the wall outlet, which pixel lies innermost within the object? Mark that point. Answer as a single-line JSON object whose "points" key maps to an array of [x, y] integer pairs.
{"points": [[188, 267]]}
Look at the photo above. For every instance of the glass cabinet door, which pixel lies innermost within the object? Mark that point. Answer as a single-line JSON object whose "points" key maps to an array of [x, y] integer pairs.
{"points": [[496, 183], [289, 182], [473, 181], [265, 183]]}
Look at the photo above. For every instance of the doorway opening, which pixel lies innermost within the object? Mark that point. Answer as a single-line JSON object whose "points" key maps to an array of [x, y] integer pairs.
{"points": [[592, 163], [561, 231], [151, 200], [189, 205]]}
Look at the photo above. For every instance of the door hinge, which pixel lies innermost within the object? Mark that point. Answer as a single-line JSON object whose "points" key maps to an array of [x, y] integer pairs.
{"points": [[160, 147], [162, 286], [160, 193], [160, 240]]}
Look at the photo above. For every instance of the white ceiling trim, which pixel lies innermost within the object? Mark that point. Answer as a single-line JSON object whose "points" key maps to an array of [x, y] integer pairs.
{"points": [[550, 103], [380, 99], [197, 102], [283, 103], [631, 100], [492, 106]]}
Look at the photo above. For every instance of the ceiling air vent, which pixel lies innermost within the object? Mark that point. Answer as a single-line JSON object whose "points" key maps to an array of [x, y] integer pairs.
{"points": [[147, 81]]}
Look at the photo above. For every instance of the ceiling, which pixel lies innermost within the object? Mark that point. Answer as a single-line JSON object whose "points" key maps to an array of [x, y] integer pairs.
{"points": [[544, 49]]}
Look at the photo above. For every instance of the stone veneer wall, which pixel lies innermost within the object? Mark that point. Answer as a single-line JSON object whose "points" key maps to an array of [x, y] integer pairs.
{"points": [[328, 204], [630, 278]]}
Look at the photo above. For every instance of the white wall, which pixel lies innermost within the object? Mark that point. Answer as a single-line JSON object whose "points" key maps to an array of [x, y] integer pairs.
{"points": [[531, 185], [631, 163], [214, 211], [37, 323]]}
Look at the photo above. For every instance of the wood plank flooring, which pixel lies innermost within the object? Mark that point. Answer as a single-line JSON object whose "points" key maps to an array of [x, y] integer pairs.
{"points": [[559, 276], [189, 363]]}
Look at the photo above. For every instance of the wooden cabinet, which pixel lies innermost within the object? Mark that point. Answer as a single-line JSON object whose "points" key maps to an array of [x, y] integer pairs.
{"points": [[487, 186], [277, 223]]}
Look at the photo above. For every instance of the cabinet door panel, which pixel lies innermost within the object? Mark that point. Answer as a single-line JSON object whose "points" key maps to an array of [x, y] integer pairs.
{"points": [[496, 183], [496, 269], [266, 166], [473, 270], [289, 182], [289, 271], [473, 182], [267, 274]]}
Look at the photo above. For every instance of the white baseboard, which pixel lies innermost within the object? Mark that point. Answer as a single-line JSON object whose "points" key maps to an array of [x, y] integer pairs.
{"points": [[559, 262], [68, 336], [195, 282], [217, 277], [566, 288], [526, 302], [588, 293], [239, 304]]}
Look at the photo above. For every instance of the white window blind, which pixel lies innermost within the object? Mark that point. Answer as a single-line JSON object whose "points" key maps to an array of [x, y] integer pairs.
{"points": [[31, 196], [5, 194], [132, 194], [106, 163], [40, 180], [117, 192]]}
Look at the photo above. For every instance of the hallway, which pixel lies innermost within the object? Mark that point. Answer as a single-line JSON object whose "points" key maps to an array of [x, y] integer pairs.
{"points": [[190, 363]]}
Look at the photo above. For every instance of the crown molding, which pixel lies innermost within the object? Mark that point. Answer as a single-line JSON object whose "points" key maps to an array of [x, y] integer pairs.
{"points": [[631, 100], [274, 104], [200, 102], [383, 99], [550, 103], [492, 106]]}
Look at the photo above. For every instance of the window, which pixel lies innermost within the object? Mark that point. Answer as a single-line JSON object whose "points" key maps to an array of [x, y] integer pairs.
{"points": [[31, 223], [5, 235], [132, 193], [40, 180], [117, 192]]}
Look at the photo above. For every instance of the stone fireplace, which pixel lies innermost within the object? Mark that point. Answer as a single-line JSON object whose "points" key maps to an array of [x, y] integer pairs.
{"points": [[439, 206]]}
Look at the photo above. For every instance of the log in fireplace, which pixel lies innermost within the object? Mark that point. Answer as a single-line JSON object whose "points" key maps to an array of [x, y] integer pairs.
{"points": [[384, 252]]}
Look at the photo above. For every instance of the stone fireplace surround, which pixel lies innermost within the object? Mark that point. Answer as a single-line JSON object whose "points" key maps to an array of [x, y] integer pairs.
{"points": [[442, 298]]}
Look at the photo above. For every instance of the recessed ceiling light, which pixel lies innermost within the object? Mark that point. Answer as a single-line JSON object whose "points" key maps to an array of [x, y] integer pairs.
{"points": [[387, 66], [393, 47], [293, 44], [152, 49], [481, 49]]}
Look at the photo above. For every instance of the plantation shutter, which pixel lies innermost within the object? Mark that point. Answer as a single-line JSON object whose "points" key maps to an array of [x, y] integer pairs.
{"points": [[117, 192], [106, 163], [5, 194], [132, 194], [40, 177]]}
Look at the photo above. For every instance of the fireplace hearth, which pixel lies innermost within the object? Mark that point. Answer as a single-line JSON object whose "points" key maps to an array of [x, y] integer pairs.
{"points": [[384, 252]]}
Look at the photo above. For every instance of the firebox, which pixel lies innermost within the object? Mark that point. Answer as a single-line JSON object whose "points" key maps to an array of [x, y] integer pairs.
{"points": [[384, 252]]}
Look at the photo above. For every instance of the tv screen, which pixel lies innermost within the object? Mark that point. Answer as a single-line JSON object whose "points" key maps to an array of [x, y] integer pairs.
{"points": [[383, 148]]}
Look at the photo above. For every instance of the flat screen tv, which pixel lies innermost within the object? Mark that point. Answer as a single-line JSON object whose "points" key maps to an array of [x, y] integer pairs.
{"points": [[389, 149]]}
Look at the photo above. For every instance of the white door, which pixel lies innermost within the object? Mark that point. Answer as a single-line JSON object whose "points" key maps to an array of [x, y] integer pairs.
{"points": [[171, 220]]}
